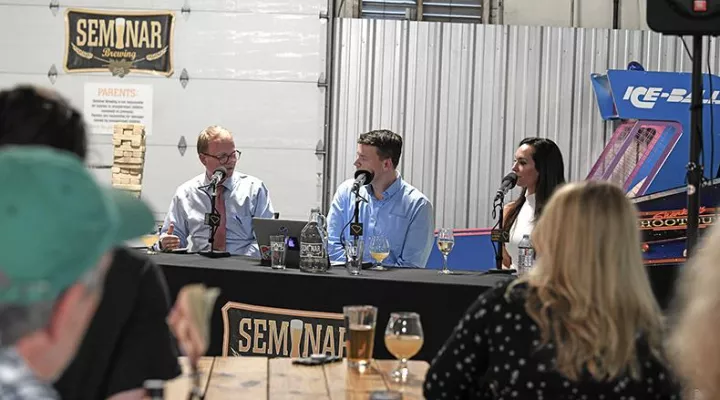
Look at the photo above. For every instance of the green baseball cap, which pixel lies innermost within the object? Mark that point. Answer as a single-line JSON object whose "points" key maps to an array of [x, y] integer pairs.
{"points": [[56, 222]]}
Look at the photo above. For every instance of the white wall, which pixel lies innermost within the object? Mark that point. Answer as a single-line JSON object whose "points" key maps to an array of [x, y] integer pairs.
{"points": [[588, 13], [253, 67]]}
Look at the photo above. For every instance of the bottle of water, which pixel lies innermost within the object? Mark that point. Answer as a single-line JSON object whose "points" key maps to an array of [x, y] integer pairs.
{"points": [[313, 244], [526, 256]]}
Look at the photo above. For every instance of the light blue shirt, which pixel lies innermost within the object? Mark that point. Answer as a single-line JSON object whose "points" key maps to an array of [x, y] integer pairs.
{"points": [[245, 197], [404, 216]]}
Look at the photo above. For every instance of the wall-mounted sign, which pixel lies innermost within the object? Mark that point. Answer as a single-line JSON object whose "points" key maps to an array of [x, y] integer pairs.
{"points": [[251, 330], [121, 42], [109, 104]]}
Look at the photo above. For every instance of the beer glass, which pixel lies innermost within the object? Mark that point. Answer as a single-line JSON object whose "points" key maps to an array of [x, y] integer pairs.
{"points": [[379, 251], [445, 243], [278, 245], [403, 339], [359, 334]]}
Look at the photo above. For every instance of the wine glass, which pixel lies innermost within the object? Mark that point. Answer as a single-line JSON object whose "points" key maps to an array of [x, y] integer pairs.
{"points": [[403, 339], [379, 250], [445, 243]]}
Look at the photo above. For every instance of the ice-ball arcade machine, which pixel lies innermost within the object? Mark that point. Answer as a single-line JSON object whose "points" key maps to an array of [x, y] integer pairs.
{"points": [[648, 152]]}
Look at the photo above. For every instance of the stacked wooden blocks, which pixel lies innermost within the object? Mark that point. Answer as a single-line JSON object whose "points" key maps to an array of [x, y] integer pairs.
{"points": [[128, 157]]}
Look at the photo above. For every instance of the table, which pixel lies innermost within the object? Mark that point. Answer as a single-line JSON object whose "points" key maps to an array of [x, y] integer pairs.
{"points": [[262, 378], [440, 300]]}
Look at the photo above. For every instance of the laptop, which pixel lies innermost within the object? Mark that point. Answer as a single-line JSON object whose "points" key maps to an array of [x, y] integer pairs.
{"points": [[264, 228]]}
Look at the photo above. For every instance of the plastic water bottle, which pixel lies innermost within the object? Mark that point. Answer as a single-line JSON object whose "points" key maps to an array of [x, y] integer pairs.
{"points": [[313, 244], [526, 255]]}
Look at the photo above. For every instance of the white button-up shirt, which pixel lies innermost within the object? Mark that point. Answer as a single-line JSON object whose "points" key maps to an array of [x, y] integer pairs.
{"points": [[245, 197]]}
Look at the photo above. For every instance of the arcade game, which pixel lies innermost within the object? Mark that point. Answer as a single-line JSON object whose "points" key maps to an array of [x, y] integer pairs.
{"points": [[648, 152]]}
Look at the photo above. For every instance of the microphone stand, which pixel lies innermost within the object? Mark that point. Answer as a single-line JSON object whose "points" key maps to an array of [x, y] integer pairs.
{"points": [[356, 227], [499, 235], [213, 220]]}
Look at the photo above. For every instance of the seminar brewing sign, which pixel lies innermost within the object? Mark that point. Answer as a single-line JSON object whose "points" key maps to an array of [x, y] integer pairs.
{"points": [[121, 42], [276, 332]]}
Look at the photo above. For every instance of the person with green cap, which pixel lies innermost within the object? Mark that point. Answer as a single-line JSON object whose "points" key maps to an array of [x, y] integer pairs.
{"points": [[129, 340], [49, 293]]}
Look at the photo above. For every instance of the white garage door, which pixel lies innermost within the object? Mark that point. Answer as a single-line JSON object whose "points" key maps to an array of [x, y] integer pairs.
{"points": [[253, 67]]}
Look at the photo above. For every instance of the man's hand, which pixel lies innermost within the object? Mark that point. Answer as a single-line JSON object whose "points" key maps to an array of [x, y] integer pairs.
{"points": [[168, 241], [189, 319]]}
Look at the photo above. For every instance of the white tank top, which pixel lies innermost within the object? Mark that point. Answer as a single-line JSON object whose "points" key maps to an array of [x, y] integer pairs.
{"points": [[523, 225]]}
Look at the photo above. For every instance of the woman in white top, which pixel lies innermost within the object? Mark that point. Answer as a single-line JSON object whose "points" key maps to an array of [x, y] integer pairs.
{"points": [[540, 170]]}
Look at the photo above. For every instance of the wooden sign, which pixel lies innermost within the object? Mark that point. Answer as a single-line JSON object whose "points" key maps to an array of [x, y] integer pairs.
{"points": [[250, 330]]}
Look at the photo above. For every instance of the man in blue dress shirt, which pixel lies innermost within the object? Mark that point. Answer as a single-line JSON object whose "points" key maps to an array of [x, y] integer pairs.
{"points": [[394, 208], [240, 197]]}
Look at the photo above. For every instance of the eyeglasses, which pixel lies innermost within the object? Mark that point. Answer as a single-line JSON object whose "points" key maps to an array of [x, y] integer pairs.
{"points": [[224, 158]]}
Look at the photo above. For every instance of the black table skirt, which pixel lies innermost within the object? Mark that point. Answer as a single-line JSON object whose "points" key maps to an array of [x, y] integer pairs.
{"points": [[440, 300]]}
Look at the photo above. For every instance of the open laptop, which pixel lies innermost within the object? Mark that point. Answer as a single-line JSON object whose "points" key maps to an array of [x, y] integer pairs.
{"points": [[265, 227]]}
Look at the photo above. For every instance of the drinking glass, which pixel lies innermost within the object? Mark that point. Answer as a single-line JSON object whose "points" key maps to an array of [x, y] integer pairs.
{"points": [[379, 250], [360, 334], [403, 339], [354, 255], [445, 243], [278, 247]]}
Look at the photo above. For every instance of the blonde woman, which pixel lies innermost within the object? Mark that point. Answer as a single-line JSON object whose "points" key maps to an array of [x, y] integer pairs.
{"points": [[583, 324], [695, 341]]}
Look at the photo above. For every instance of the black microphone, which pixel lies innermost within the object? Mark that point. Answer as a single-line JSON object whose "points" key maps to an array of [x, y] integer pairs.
{"points": [[362, 177], [508, 183]]}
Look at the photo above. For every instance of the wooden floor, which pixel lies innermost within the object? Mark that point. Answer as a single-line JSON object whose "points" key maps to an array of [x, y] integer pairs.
{"points": [[277, 378]]}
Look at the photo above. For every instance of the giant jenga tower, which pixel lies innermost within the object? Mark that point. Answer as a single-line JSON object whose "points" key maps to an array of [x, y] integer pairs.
{"points": [[128, 157]]}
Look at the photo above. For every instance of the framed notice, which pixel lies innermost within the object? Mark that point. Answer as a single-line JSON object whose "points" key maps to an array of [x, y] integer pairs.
{"points": [[119, 41], [108, 104], [250, 330]]}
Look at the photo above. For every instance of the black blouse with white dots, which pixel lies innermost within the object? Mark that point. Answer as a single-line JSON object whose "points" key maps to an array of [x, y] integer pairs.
{"points": [[495, 353]]}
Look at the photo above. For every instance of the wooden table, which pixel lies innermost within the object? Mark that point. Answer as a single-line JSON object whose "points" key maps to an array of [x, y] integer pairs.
{"points": [[277, 378]]}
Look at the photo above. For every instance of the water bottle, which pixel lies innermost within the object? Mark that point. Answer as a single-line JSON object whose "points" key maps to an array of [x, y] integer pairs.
{"points": [[313, 244], [526, 255]]}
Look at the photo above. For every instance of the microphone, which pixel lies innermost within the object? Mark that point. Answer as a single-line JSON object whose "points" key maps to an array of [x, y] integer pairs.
{"points": [[362, 177], [218, 175], [508, 183]]}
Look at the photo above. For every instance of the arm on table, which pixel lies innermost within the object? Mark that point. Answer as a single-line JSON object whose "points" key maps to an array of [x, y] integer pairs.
{"points": [[419, 239], [176, 217], [336, 222]]}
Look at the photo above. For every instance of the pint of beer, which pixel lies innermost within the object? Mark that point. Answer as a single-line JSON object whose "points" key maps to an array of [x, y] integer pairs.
{"points": [[359, 334]]}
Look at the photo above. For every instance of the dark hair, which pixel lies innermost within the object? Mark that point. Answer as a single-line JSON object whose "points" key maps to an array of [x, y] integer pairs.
{"points": [[29, 116], [551, 174], [388, 144]]}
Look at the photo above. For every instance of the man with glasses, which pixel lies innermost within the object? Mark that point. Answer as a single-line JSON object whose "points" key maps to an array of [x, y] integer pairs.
{"points": [[239, 198]]}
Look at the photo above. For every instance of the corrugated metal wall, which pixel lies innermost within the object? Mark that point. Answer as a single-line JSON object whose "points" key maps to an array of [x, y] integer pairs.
{"points": [[464, 95]]}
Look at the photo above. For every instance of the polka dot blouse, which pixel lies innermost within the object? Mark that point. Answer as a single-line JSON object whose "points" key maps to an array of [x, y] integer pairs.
{"points": [[494, 353]]}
